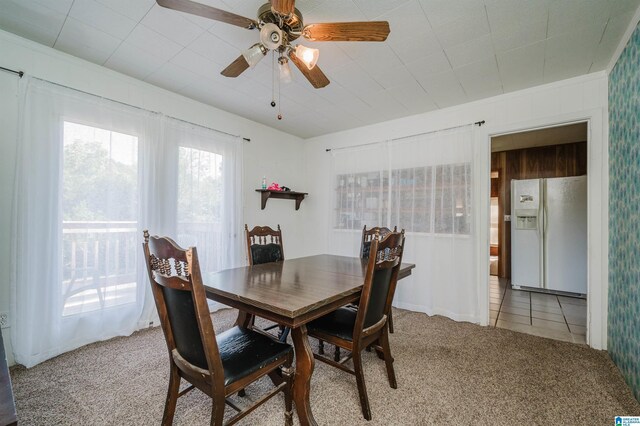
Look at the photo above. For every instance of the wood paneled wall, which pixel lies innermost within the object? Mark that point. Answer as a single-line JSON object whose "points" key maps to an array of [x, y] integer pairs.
{"points": [[531, 163]]}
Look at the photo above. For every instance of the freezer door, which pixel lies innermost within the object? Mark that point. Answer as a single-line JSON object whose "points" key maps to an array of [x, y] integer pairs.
{"points": [[526, 233], [565, 253]]}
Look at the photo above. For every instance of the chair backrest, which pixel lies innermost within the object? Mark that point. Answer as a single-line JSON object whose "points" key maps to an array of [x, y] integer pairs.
{"points": [[368, 236], [181, 301], [264, 245], [380, 281]]}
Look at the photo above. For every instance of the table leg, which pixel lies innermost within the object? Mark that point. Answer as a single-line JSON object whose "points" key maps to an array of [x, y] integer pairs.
{"points": [[244, 319], [302, 379]]}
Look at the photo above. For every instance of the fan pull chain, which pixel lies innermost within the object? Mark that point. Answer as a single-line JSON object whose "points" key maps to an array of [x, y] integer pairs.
{"points": [[273, 79], [279, 103]]}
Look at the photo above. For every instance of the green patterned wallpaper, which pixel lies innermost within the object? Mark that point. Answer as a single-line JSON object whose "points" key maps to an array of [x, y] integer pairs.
{"points": [[624, 213]]}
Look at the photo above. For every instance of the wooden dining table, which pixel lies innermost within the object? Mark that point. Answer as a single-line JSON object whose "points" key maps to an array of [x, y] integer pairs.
{"points": [[292, 293]]}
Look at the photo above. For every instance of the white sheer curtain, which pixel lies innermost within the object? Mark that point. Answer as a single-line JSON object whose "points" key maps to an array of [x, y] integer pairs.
{"points": [[76, 258], [422, 184], [208, 188], [91, 175]]}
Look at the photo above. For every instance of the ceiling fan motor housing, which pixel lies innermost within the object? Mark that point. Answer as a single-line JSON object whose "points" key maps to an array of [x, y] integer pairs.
{"points": [[291, 25]]}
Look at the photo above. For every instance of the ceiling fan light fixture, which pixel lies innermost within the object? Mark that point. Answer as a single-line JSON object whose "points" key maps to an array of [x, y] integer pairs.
{"points": [[285, 71], [307, 55], [271, 36], [254, 54]]}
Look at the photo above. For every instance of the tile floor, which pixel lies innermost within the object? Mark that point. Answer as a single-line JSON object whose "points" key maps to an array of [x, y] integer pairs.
{"points": [[546, 315]]}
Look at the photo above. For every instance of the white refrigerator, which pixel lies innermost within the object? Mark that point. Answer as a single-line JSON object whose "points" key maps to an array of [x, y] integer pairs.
{"points": [[549, 234]]}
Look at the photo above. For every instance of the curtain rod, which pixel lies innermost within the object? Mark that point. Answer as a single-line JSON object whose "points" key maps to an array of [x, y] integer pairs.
{"points": [[21, 73], [18, 73], [141, 109], [477, 123]]}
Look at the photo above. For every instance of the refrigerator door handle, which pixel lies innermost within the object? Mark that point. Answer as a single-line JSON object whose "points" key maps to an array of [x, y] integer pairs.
{"points": [[540, 211], [544, 218], [545, 260]]}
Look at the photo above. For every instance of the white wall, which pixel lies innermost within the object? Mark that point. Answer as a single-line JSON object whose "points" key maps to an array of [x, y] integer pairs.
{"points": [[582, 98], [271, 152]]}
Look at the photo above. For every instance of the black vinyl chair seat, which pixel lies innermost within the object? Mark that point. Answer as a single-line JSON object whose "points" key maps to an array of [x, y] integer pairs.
{"points": [[244, 351], [338, 323]]}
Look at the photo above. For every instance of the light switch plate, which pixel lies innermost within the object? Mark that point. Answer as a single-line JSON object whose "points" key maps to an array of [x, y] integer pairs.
{"points": [[507, 218]]}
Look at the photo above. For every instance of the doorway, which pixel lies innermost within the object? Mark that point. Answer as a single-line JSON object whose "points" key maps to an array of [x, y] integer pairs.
{"points": [[538, 157]]}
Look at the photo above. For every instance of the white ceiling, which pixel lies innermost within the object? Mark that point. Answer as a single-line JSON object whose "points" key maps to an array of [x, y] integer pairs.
{"points": [[439, 53]]}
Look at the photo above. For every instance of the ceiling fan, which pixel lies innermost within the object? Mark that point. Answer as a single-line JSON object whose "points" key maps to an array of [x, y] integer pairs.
{"points": [[280, 23]]}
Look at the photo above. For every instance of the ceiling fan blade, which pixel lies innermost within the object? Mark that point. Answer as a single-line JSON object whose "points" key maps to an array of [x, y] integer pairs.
{"points": [[283, 7], [315, 75], [347, 31], [210, 12], [236, 67]]}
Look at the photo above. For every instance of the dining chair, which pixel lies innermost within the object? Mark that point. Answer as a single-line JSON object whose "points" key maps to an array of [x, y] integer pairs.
{"points": [[367, 237], [218, 364], [355, 329], [264, 245], [365, 246]]}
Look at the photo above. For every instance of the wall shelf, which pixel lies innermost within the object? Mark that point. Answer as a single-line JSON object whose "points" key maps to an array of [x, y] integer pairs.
{"points": [[284, 195]]}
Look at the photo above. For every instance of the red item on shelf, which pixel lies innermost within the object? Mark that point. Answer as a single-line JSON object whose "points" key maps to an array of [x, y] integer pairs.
{"points": [[274, 187]]}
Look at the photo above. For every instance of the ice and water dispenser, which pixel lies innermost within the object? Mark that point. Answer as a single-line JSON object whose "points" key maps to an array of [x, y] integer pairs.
{"points": [[526, 218]]}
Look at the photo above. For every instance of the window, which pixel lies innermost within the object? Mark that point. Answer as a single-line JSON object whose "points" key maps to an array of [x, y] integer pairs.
{"points": [[99, 218], [430, 199]]}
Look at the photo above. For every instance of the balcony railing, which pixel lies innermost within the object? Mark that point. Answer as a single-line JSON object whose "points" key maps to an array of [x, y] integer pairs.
{"points": [[100, 261], [99, 265]]}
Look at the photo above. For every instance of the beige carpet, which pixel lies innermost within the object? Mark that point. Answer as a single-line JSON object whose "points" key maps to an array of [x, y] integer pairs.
{"points": [[448, 373]]}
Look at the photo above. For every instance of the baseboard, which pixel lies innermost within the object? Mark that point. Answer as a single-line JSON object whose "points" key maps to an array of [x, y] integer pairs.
{"points": [[435, 311]]}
